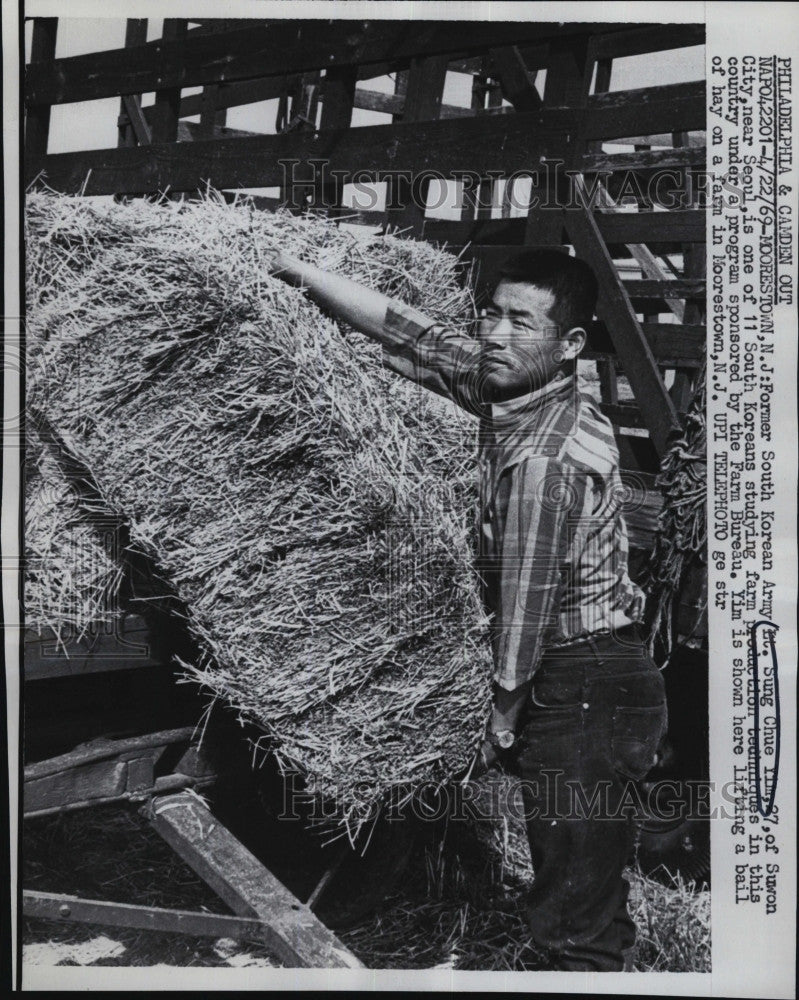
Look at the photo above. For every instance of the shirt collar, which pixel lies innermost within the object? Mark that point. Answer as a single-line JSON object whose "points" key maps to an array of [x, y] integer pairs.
{"points": [[520, 423]]}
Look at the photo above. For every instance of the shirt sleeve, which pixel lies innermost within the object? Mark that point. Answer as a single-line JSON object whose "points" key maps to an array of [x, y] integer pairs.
{"points": [[544, 503], [433, 356]]}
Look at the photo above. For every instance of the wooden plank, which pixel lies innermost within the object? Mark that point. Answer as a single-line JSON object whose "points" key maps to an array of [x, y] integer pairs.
{"points": [[423, 99], [166, 109], [620, 227], [210, 117], [656, 159], [104, 749], [483, 232], [653, 38], [693, 139], [606, 367], [135, 34], [502, 142], [296, 936], [137, 124], [391, 104], [681, 226], [37, 116], [192, 131], [668, 288], [516, 80], [232, 95], [266, 48], [337, 104], [671, 108], [62, 908], [631, 344], [677, 344], [673, 344]]}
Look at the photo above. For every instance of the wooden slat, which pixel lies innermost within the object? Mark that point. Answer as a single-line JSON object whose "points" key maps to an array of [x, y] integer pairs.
{"points": [[337, 104], [423, 100], [620, 227], [62, 908], [693, 139], [232, 95], [677, 344], [37, 117], [192, 131], [653, 38], [130, 132], [671, 108], [166, 109], [499, 142], [631, 345], [265, 48], [391, 104], [297, 937], [137, 124], [683, 226], [656, 159], [517, 82], [677, 288], [674, 345]]}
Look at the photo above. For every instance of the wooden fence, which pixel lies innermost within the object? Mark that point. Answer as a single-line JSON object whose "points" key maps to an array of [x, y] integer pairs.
{"points": [[609, 145]]}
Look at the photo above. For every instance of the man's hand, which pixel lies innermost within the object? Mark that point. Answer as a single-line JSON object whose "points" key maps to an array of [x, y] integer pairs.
{"points": [[487, 759]]}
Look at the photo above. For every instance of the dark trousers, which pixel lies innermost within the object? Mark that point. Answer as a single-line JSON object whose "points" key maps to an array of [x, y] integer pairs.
{"points": [[590, 731]]}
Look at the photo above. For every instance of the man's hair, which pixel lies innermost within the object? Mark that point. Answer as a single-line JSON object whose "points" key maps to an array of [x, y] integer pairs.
{"points": [[571, 281]]}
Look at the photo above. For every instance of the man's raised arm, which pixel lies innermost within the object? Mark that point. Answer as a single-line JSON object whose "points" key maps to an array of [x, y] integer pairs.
{"points": [[413, 344]]}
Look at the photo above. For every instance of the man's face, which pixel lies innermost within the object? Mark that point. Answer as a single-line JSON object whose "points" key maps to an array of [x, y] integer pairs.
{"points": [[522, 345]]}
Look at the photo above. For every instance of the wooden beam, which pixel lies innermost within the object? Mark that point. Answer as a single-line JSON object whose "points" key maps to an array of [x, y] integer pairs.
{"points": [[652, 38], [683, 226], [655, 159], [337, 104], [696, 139], [617, 312], [68, 909], [502, 142], [517, 82], [137, 123], [391, 104], [671, 108], [296, 936], [166, 109], [135, 34], [423, 99], [617, 227], [668, 288], [568, 80], [37, 116], [192, 132], [279, 47]]}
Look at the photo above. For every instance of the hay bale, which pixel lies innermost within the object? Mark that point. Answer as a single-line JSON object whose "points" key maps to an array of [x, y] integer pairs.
{"points": [[72, 578], [312, 510]]}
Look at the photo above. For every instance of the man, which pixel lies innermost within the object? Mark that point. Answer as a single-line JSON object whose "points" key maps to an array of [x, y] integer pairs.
{"points": [[579, 706]]}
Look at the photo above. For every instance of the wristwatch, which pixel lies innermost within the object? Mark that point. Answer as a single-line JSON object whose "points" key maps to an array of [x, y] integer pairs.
{"points": [[502, 739]]}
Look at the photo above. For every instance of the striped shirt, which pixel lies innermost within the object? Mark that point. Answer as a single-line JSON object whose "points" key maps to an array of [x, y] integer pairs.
{"points": [[553, 542]]}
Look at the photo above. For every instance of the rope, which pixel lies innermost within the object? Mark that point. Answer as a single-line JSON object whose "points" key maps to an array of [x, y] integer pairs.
{"points": [[681, 536]]}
